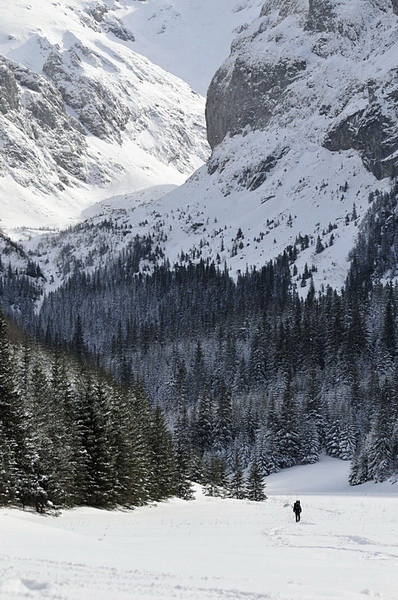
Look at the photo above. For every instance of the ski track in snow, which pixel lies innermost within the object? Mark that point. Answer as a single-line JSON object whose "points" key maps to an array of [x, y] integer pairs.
{"points": [[345, 546], [69, 580]]}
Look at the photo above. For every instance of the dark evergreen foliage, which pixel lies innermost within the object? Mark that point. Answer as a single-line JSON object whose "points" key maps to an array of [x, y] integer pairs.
{"points": [[255, 484], [68, 436], [247, 371]]}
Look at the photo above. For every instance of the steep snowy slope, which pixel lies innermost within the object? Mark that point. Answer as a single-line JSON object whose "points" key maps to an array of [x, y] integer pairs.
{"points": [[302, 118], [188, 38], [82, 115]]}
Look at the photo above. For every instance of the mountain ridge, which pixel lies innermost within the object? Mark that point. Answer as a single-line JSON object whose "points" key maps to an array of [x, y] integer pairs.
{"points": [[306, 101]]}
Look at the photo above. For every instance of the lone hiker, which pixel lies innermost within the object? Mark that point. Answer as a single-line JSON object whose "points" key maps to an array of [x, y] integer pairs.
{"points": [[297, 510]]}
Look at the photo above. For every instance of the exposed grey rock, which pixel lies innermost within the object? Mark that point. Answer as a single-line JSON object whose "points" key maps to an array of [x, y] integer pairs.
{"points": [[113, 25], [100, 18], [285, 68], [9, 94], [371, 131], [97, 10], [285, 7], [99, 109], [36, 131], [247, 96], [253, 178], [321, 15]]}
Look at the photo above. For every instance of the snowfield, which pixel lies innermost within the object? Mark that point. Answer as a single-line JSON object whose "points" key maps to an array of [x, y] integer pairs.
{"points": [[345, 546]]}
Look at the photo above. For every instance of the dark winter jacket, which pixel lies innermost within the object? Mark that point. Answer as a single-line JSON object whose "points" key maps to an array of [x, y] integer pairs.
{"points": [[297, 507]]}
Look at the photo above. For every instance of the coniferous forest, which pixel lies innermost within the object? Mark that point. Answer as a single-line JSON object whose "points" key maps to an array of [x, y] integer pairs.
{"points": [[251, 376], [70, 436]]}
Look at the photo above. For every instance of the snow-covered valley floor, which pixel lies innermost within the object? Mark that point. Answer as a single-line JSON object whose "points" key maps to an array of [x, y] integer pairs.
{"points": [[345, 547]]}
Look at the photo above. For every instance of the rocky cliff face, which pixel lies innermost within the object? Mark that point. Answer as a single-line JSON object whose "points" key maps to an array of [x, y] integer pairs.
{"points": [[319, 72], [37, 135]]}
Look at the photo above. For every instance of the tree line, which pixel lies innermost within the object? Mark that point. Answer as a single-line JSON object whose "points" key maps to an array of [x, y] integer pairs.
{"points": [[70, 436], [251, 376]]}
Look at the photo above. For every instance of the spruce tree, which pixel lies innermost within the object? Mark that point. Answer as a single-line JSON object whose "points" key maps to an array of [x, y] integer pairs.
{"points": [[223, 421], [359, 472], [255, 485], [12, 424], [204, 424], [133, 447], [216, 480], [62, 432], [237, 484], [380, 458], [288, 434], [95, 472], [163, 467], [182, 450]]}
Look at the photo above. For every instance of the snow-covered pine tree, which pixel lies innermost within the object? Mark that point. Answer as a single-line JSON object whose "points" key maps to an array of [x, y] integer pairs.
{"points": [[288, 434], [203, 426], [62, 431], [359, 472], [12, 424], [255, 484], [132, 441], [215, 476], [183, 452], [380, 457], [223, 422], [163, 465], [237, 483]]}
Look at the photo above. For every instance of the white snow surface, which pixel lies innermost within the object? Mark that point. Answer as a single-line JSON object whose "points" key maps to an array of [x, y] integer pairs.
{"points": [[188, 38], [344, 548]]}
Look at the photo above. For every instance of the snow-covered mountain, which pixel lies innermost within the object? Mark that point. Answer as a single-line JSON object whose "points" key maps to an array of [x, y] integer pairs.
{"points": [[301, 118], [188, 38], [103, 97], [82, 114]]}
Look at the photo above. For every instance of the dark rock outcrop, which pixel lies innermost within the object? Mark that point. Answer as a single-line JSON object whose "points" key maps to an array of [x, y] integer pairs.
{"points": [[101, 18], [369, 132], [100, 111], [321, 16], [113, 25], [9, 94], [247, 96]]}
